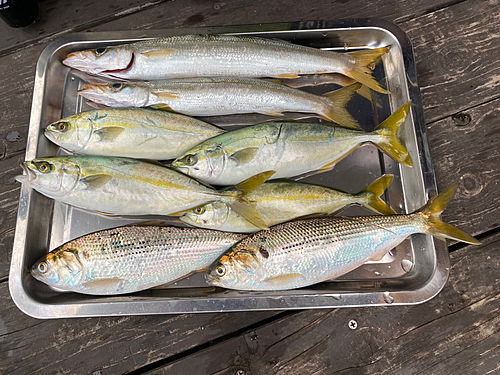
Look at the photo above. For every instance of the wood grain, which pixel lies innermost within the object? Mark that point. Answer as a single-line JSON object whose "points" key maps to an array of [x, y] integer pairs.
{"points": [[56, 17], [469, 155], [457, 51], [457, 332], [111, 345]]}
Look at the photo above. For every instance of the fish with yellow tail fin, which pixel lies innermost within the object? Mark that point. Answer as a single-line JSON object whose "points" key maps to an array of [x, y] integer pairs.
{"points": [[305, 252], [130, 259], [280, 201], [222, 56], [288, 148], [120, 186], [224, 96]]}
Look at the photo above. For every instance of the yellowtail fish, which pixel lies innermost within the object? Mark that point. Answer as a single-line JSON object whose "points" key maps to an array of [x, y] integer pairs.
{"points": [[223, 96], [305, 252], [288, 148], [130, 259], [280, 201], [222, 56], [120, 186], [134, 132]]}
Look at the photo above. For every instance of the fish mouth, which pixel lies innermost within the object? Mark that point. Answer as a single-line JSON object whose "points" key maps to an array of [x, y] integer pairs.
{"points": [[111, 73], [28, 175], [78, 60], [94, 93], [50, 134]]}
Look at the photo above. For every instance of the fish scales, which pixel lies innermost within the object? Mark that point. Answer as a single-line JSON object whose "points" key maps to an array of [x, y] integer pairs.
{"points": [[134, 258]]}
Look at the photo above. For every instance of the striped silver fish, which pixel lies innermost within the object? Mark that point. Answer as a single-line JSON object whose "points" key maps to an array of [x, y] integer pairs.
{"points": [[130, 259], [224, 96], [305, 252], [222, 56], [133, 132]]}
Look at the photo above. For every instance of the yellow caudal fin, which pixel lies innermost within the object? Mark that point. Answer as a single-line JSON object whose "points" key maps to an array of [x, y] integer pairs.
{"points": [[435, 227], [335, 110], [370, 197], [360, 71], [238, 198], [389, 142]]}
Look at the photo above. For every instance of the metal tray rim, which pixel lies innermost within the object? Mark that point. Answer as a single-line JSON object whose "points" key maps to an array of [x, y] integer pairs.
{"points": [[36, 309]]}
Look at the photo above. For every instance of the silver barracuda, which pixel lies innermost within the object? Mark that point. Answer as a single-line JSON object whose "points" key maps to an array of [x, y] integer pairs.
{"points": [[134, 132], [288, 148], [304, 252], [221, 56], [130, 259], [224, 96], [121, 186], [281, 201]]}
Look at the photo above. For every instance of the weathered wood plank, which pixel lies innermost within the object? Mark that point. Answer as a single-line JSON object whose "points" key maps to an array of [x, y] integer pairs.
{"points": [[455, 333], [457, 58], [211, 13], [110, 345], [57, 17], [469, 154], [9, 201]]}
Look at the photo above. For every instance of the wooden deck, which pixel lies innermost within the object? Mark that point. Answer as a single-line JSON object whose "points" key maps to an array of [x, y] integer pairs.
{"points": [[457, 48]]}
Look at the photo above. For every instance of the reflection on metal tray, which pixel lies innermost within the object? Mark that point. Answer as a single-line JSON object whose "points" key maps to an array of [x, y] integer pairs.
{"points": [[413, 272]]}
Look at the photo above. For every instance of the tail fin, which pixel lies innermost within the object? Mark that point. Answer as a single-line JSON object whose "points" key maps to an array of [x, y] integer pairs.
{"points": [[360, 71], [390, 144], [335, 110], [239, 202], [371, 196], [435, 227]]}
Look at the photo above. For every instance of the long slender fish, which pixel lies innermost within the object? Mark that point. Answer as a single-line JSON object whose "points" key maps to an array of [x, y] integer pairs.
{"points": [[224, 96], [280, 201], [130, 259], [134, 133], [121, 186], [222, 56], [305, 252], [288, 148]]}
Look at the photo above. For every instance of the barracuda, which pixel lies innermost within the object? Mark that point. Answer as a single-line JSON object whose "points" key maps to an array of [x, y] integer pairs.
{"points": [[222, 56], [224, 96]]}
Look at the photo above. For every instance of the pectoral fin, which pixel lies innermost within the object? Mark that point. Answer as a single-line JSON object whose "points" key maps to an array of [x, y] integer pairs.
{"points": [[97, 181], [244, 156], [287, 76], [159, 52], [282, 280], [167, 95], [162, 107], [109, 134]]}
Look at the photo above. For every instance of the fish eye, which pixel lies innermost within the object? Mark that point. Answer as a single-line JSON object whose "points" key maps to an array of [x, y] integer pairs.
{"points": [[44, 167], [42, 267], [220, 270], [116, 86], [62, 126], [191, 160], [100, 51], [199, 210]]}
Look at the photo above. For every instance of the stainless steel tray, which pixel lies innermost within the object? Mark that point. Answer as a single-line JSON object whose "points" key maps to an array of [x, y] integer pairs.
{"points": [[412, 273]]}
